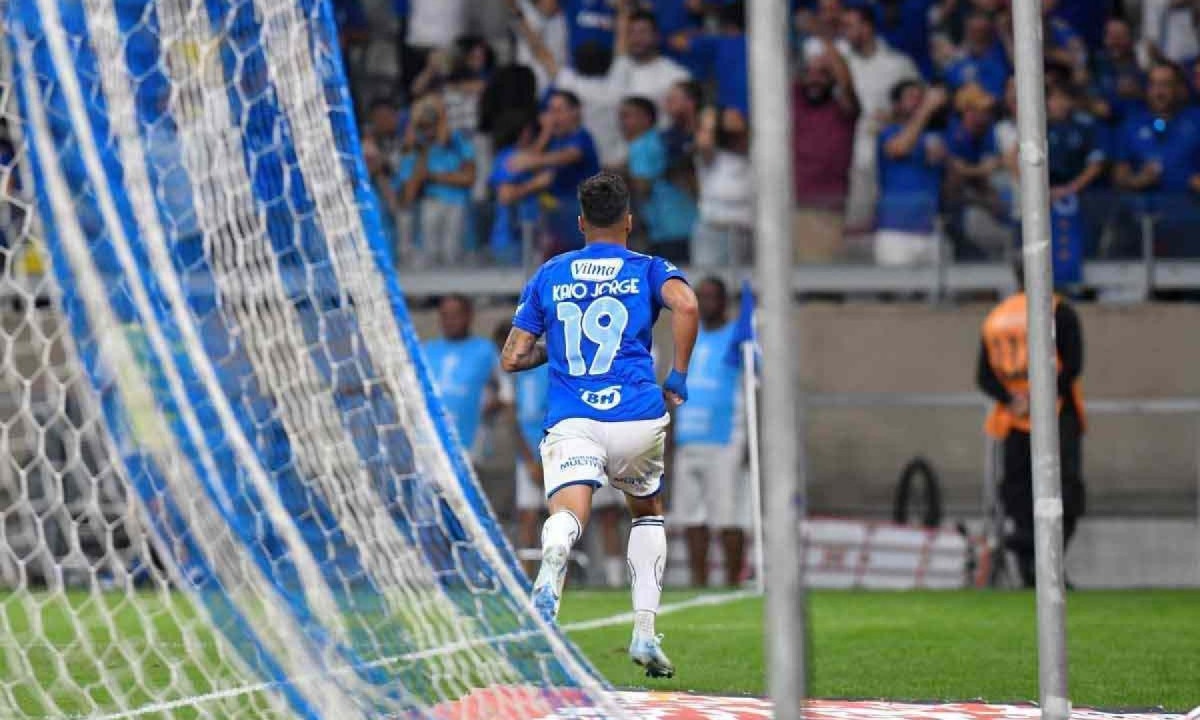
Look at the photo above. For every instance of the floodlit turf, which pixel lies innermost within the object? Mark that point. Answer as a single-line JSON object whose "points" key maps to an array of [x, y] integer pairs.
{"points": [[1135, 649]]}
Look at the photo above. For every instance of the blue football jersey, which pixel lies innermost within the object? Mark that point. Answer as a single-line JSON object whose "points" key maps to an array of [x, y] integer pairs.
{"points": [[532, 389], [462, 369], [597, 307], [714, 391]]}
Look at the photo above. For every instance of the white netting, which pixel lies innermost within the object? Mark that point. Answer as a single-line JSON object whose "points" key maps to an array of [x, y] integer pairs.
{"points": [[225, 488]]}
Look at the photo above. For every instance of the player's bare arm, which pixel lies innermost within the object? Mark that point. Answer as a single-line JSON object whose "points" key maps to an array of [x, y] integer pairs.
{"points": [[680, 299], [522, 351]]}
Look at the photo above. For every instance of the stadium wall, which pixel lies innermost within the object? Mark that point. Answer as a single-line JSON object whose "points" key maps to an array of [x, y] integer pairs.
{"points": [[1135, 465]]}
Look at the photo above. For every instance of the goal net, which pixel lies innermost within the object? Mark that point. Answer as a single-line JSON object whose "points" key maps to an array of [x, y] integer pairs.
{"points": [[227, 488]]}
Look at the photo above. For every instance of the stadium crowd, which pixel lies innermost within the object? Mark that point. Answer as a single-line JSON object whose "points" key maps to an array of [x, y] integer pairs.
{"points": [[479, 128]]}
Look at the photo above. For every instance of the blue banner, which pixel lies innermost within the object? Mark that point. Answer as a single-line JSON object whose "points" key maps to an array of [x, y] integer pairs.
{"points": [[1066, 238]]}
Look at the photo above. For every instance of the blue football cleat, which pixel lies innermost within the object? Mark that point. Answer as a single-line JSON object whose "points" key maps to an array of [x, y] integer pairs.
{"points": [[646, 650]]}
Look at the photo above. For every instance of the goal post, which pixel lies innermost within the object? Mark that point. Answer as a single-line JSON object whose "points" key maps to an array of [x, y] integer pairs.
{"points": [[230, 489]]}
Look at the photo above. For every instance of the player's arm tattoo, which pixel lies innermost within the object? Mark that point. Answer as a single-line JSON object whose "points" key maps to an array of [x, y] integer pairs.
{"points": [[522, 351]]}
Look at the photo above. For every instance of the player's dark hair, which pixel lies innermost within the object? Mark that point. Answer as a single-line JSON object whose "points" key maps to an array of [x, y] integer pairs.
{"points": [[644, 16], [733, 15], [604, 199], [460, 298], [645, 105], [719, 284], [571, 98], [592, 59], [864, 13], [693, 90]]}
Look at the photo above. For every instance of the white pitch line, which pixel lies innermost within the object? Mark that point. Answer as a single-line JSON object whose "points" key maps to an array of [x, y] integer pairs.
{"points": [[583, 625], [701, 601]]}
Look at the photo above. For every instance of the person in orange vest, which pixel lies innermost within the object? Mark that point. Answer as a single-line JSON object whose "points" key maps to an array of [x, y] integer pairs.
{"points": [[1003, 375]]}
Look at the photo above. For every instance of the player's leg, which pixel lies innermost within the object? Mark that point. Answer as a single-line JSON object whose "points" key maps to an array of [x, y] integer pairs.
{"points": [[569, 511], [573, 462], [636, 468]]}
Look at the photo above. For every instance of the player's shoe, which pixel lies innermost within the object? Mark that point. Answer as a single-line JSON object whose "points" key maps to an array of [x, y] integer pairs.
{"points": [[646, 650], [547, 588]]}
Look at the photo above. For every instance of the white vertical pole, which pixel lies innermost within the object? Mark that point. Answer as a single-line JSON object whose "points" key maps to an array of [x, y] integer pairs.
{"points": [[783, 428], [1043, 381], [750, 393]]}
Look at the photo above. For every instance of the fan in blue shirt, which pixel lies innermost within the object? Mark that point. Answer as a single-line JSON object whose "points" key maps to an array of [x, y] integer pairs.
{"points": [[667, 211], [462, 366], [911, 159], [722, 57], [606, 420]]}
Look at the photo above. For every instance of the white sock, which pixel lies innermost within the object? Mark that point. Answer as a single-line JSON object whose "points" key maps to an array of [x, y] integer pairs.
{"points": [[614, 570], [647, 557], [560, 531]]}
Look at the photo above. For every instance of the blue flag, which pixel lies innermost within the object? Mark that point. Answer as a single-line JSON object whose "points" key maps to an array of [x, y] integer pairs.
{"points": [[1066, 233], [743, 329]]}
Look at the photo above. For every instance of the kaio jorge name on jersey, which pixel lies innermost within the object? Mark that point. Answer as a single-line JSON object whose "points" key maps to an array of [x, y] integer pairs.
{"points": [[591, 290]]}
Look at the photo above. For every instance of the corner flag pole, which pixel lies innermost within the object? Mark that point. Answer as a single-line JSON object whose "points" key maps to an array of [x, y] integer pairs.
{"points": [[782, 423], [1043, 383], [750, 393]]}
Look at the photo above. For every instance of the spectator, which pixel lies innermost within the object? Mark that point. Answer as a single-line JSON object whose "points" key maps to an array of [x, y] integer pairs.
{"points": [[1003, 375], [1117, 77], [565, 147], [515, 192], [1062, 43], [724, 233], [432, 24], [1075, 150], [548, 23], [666, 211], [1087, 16], [824, 114], [638, 68], [875, 68], [512, 87], [973, 160], [984, 61], [589, 78], [709, 489], [682, 108], [473, 64], [438, 171], [1169, 27], [723, 55], [905, 25], [463, 367], [383, 127], [911, 158], [1157, 156], [818, 27], [590, 21]]}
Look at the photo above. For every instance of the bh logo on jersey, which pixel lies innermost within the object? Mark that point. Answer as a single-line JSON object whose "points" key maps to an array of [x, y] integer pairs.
{"points": [[605, 399], [597, 270]]}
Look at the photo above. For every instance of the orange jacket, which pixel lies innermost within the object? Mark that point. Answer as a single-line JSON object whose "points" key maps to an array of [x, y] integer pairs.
{"points": [[1005, 341]]}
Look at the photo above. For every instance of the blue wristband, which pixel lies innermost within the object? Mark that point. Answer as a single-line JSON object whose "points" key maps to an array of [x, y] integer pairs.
{"points": [[676, 382]]}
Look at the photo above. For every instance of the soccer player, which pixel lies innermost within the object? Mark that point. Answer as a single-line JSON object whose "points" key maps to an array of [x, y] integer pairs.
{"points": [[710, 445], [606, 421]]}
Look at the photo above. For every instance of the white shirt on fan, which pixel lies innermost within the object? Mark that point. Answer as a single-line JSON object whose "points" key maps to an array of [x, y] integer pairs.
{"points": [[651, 80], [726, 190], [552, 31], [436, 23]]}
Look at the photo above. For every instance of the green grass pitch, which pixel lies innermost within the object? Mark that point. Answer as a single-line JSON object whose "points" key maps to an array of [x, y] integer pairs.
{"points": [[1126, 649], [1136, 649]]}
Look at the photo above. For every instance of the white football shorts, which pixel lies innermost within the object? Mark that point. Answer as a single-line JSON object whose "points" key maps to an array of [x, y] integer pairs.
{"points": [[710, 486], [627, 456]]}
